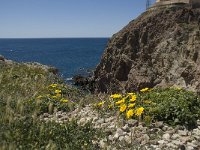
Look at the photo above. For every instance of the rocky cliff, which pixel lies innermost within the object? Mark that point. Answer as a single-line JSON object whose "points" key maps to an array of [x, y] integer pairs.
{"points": [[159, 48]]}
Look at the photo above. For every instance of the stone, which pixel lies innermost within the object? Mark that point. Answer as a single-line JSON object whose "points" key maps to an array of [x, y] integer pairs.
{"points": [[198, 122], [145, 139], [195, 142], [119, 133], [132, 122], [175, 136], [64, 118], [196, 132], [171, 145], [185, 139], [95, 119], [165, 128], [100, 121], [153, 142], [112, 126], [191, 144], [121, 138], [116, 136], [46, 119], [161, 142], [166, 136], [82, 121], [183, 132], [45, 115], [126, 128], [159, 124], [189, 148], [102, 144], [177, 142], [127, 139], [110, 119], [104, 125], [110, 137]]}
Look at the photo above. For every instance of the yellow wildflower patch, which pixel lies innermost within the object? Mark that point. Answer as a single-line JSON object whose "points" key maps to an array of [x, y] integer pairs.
{"points": [[139, 111], [115, 96], [129, 113], [123, 108]]}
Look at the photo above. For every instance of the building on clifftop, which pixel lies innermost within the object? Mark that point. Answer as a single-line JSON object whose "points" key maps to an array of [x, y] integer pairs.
{"points": [[193, 3]]}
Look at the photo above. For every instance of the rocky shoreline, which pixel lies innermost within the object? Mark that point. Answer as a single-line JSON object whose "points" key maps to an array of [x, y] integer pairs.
{"points": [[129, 134]]}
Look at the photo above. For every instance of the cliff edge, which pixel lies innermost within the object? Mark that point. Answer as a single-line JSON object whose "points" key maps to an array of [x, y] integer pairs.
{"points": [[159, 48]]}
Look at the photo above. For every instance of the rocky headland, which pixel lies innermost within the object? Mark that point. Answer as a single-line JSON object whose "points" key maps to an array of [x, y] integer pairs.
{"points": [[160, 48]]}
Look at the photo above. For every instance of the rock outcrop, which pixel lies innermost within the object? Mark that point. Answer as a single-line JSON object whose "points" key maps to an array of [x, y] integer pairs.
{"points": [[160, 48]]}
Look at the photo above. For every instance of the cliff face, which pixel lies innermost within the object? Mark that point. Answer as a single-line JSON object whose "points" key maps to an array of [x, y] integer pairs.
{"points": [[160, 48]]}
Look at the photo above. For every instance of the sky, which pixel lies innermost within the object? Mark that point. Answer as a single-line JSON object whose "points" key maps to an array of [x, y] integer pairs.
{"points": [[66, 18]]}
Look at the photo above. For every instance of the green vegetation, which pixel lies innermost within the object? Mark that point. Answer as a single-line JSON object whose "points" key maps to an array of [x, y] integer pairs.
{"points": [[27, 90], [174, 106]]}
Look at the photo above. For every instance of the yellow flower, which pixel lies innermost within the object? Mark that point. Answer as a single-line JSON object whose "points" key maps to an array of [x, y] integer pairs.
{"points": [[100, 104], [123, 108], [147, 102], [57, 91], [144, 90], [54, 97], [129, 113], [115, 96], [53, 85], [48, 95], [58, 95], [133, 98], [110, 106], [39, 97], [131, 105], [64, 100], [139, 111], [120, 102], [130, 94]]}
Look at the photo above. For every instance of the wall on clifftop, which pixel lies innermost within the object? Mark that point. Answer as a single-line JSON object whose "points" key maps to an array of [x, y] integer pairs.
{"points": [[160, 48]]}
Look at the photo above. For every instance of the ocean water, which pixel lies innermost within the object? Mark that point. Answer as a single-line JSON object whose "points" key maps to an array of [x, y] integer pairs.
{"points": [[70, 55]]}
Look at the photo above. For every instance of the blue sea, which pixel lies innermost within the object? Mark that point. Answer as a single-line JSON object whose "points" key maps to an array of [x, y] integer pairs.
{"points": [[71, 56]]}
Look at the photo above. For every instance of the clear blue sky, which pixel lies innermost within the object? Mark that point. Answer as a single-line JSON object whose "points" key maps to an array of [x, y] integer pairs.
{"points": [[66, 18]]}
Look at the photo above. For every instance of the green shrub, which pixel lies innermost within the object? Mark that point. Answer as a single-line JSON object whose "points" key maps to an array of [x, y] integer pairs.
{"points": [[174, 106], [171, 105]]}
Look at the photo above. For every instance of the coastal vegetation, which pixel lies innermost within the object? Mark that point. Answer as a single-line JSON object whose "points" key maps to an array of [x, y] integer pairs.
{"points": [[31, 90], [27, 90]]}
